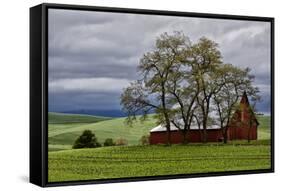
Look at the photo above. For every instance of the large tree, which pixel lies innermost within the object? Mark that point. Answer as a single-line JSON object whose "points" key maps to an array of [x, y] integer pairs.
{"points": [[151, 91], [183, 93], [205, 58], [180, 81]]}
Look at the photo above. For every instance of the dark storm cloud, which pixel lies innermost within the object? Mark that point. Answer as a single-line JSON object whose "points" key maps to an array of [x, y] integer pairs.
{"points": [[100, 67], [88, 47], [88, 101]]}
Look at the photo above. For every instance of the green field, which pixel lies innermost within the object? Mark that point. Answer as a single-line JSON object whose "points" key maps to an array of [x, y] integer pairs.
{"points": [[264, 127], [136, 161]]}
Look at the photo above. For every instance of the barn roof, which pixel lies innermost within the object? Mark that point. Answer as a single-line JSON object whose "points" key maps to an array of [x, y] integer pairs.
{"points": [[160, 128]]}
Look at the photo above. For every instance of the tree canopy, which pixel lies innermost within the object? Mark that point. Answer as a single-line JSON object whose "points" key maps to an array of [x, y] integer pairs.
{"points": [[182, 82], [86, 140]]}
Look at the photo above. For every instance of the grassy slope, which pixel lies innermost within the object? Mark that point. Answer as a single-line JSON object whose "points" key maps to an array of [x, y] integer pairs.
{"points": [[264, 127], [62, 136], [136, 161], [132, 161], [63, 118]]}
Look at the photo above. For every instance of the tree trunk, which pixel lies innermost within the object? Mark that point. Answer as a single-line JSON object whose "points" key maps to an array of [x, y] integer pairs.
{"points": [[185, 136], [166, 116], [200, 132], [168, 142], [205, 131], [205, 120], [205, 135], [225, 138], [201, 135]]}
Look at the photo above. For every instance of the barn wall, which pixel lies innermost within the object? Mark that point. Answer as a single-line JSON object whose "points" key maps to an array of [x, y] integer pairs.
{"points": [[177, 137], [239, 133], [214, 135]]}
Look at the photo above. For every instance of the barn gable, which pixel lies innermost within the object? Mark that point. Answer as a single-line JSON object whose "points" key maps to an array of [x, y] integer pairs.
{"points": [[244, 113], [244, 123]]}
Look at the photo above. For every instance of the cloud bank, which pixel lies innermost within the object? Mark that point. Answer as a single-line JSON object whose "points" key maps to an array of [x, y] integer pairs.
{"points": [[93, 55]]}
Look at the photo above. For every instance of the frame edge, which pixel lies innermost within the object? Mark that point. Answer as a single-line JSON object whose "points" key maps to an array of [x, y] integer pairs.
{"points": [[36, 128]]}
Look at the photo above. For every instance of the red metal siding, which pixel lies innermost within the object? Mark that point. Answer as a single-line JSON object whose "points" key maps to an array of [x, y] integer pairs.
{"points": [[238, 133], [213, 135]]}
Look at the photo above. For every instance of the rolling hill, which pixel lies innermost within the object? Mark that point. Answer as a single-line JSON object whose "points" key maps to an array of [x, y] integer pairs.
{"points": [[65, 128], [63, 135], [63, 118]]}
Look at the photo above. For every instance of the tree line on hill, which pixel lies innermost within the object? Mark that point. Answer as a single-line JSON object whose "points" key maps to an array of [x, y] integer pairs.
{"points": [[183, 82]]}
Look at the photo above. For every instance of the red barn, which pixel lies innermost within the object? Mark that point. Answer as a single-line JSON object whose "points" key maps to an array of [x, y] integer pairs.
{"points": [[243, 125]]}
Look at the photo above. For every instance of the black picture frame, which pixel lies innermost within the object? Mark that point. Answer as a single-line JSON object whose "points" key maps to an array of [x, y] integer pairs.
{"points": [[39, 91]]}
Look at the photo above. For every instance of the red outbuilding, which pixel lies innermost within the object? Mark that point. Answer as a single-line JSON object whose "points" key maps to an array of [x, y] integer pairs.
{"points": [[243, 125]]}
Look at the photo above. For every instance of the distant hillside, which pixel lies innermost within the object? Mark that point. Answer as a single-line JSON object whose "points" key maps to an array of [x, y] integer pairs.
{"points": [[105, 113], [62, 136], [62, 118]]}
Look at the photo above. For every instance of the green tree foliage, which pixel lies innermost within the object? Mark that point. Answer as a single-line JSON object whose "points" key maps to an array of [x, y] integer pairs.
{"points": [[232, 83], [150, 92], [86, 140], [108, 142]]}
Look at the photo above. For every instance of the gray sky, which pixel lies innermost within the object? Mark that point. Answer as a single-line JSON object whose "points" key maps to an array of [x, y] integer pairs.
{"points": [[93, 55]]}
